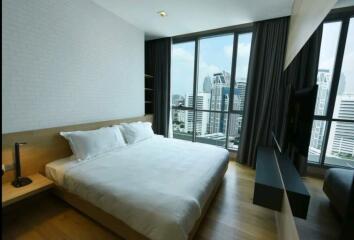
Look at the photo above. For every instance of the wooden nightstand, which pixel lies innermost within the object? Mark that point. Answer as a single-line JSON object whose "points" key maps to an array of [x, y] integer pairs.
{"points": [[10, 194]]}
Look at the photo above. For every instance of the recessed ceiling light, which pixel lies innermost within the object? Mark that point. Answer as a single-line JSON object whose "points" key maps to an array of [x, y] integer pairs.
{"points": [[162, 13]]}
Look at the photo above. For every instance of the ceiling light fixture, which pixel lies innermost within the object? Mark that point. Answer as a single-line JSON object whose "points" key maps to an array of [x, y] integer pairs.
{"points": [[162, 13]]}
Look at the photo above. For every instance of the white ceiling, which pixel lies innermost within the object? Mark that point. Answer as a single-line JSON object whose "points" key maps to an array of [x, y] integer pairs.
{"points": [[187, 16]]}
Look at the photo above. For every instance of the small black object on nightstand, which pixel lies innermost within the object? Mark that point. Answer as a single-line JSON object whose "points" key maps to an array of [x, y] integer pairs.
{"points": [[19, 181]]}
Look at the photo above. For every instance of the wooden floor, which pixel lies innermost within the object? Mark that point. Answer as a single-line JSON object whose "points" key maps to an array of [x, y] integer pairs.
{"points": [[321, 222], [231, 215]]}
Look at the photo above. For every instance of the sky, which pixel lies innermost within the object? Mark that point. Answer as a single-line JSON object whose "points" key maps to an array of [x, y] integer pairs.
{"points": [[215, 56], [328, 52]]}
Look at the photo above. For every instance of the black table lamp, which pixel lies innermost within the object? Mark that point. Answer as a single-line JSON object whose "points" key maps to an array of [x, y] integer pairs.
{"points": [[19, 181]]}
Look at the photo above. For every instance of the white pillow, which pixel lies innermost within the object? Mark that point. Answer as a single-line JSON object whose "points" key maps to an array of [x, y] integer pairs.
{"points": [[136, 131], [86, 144]]}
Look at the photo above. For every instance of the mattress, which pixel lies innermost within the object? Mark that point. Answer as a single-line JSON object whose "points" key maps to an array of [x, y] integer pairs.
{"points": [[158, 186], [55, 170]]}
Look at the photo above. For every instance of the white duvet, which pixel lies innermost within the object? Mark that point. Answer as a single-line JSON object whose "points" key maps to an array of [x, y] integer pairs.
{"points": [[157, 186]]}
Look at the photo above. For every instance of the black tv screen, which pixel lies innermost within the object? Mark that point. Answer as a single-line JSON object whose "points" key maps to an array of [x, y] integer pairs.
{"points": [[293, 125], [281, 120], [300, 122]]}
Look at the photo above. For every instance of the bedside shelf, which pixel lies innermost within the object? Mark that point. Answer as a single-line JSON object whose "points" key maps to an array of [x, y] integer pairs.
{"points": [[10, 194], [149, 94]]}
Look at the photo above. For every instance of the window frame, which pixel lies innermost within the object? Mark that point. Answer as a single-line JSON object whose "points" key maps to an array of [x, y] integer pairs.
{"points": [[196, 37], [338, 15]]}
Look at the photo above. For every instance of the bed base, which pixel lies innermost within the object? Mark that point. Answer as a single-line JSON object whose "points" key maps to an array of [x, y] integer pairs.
{"points": [[117, 226]]}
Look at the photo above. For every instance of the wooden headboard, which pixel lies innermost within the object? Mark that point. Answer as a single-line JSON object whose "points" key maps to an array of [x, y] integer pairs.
{"points": [[46, 145]]}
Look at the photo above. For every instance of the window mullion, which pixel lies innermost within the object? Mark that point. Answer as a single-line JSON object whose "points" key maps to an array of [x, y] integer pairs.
{"points": [[325, 142], [232, 86], [195, 85], [318, 117], [334, 86], [337, 67], [342, 120]]}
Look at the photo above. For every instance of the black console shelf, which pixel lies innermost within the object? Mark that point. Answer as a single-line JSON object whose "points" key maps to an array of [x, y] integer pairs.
{"points": [[299, 197], [268, 188], [272, 170]]}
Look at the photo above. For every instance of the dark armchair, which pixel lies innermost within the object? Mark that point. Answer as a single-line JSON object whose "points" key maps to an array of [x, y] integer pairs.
{"points": [[337, 186]]}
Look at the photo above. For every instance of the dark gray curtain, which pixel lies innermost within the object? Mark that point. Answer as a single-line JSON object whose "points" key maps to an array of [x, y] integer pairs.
{"points": [[302, 74], [269, 86], [157, 64], [265, 74]]}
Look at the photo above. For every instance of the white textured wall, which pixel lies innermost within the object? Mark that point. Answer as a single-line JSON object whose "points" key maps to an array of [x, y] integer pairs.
{"points": [[68, 62], [306, 16]]}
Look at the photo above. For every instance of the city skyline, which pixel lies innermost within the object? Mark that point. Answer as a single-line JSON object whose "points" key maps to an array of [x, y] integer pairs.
{"points": [[215, 58], [211, 127], [341, 136], [340, 145], [344, 109], [213, 88], [183, 58]]}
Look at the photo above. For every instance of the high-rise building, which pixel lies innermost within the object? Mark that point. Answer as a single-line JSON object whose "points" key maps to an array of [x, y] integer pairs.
{"points": [[215, 96], [239, 94], [219, 101], [178, 120], [178, 100], [318, 127], [235, 127], [202, 102], [324, 85], [207, 85], [341, 139]]}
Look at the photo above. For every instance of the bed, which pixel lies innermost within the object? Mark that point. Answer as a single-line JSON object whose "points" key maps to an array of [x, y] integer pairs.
{"points": [[158, 188]]}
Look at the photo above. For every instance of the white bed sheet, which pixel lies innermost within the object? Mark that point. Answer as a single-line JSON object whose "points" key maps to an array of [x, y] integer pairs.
{"points": [[56, 170], [157, 187]]}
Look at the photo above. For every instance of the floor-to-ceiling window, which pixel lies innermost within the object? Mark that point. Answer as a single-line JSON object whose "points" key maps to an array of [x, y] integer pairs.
{"points": [[332, 138], [208, 87], [183, 57]]}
